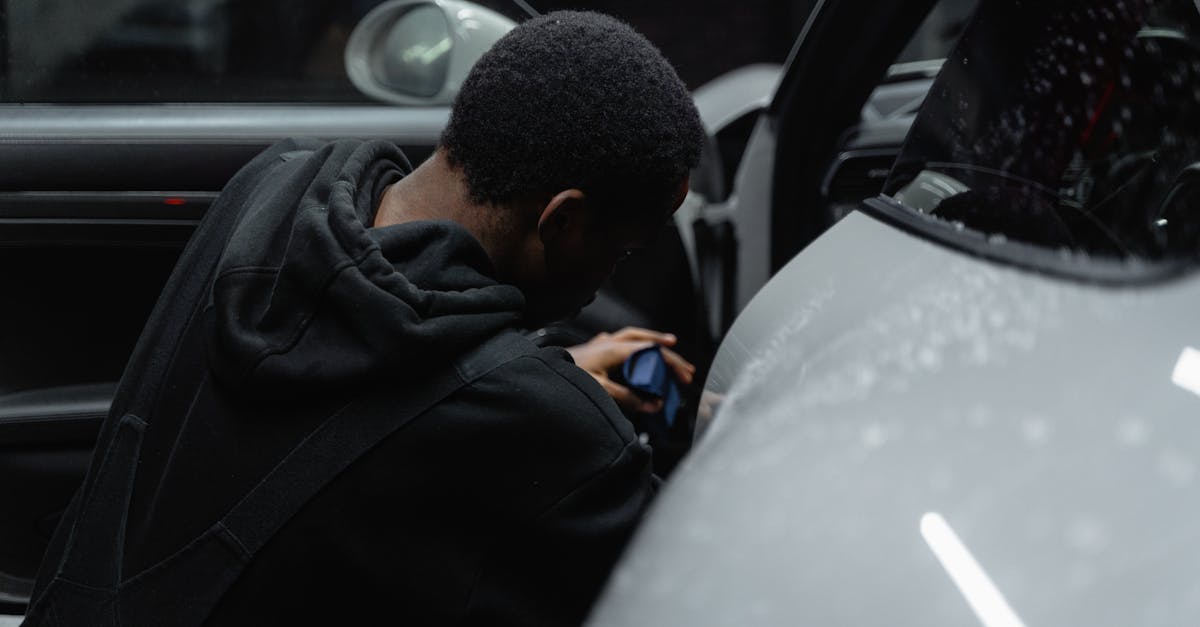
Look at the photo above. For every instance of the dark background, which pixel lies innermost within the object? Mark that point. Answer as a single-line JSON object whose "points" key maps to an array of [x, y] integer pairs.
{"points": [[133, 51]]}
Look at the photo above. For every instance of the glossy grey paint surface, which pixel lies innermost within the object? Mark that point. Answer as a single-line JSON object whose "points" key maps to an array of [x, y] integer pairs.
{"points": [[879, 378], [749, 211], [734, 94]]}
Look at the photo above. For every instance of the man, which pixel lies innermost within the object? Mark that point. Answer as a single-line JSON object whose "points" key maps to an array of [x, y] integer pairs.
{"points": [[329, 294]]}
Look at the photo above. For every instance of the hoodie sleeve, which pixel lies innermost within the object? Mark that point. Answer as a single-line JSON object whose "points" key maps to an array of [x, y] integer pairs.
{"points": [[550, 571], [173, 312]]}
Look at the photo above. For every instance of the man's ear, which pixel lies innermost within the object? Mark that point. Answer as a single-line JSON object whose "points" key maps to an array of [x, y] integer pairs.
{"points": [[682, 191], [563, 215]]}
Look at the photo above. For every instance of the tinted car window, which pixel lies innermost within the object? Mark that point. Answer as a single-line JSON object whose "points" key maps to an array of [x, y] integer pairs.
{"points": [[1071, 124], [937, 34], [132, 51]]}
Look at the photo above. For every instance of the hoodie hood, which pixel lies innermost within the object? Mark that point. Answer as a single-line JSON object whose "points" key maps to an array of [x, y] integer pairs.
{"points": [[308, 297]]}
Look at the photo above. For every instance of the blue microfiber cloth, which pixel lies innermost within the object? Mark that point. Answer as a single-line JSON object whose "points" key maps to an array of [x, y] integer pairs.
{"points": [[649, 375]]}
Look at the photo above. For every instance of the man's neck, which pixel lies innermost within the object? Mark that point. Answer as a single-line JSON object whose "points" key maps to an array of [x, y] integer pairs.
{"points": [[434, 191], [438, 190]]}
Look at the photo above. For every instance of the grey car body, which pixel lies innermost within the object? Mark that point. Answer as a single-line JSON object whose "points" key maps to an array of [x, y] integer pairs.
{"points": [[919, 423], [1038, 416]]}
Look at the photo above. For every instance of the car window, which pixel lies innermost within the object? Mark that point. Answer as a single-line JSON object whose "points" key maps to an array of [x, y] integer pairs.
{"points": [[1070, 125], [151, 51], [937, 34], [866, 160]]}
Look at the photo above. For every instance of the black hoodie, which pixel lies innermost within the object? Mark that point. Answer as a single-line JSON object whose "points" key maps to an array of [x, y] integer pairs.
{"points": [[505, 504]]}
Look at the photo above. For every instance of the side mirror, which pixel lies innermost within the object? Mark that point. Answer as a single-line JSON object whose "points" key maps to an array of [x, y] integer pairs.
{"points": [[418, 52]]}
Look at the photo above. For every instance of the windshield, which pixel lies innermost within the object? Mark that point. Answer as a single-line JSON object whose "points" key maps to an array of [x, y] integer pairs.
{"points": [[1071, 124]]}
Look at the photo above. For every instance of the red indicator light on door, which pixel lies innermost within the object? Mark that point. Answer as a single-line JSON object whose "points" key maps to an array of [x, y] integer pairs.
{"points": [[174, 202]]}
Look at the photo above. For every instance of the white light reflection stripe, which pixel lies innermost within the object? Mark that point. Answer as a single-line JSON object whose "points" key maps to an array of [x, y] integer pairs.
{"points": [[974, 584], [1187, 370]]}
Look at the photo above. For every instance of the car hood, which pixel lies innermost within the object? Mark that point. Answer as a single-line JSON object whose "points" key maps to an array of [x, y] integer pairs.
{"points": [[908, 435]]}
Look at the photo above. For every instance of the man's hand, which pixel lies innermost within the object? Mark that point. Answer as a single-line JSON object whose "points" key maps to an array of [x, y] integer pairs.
{"points": [[609, 350]]}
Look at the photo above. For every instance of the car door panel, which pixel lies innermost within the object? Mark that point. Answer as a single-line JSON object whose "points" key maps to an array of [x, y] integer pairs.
{"points": [[96, 204]]}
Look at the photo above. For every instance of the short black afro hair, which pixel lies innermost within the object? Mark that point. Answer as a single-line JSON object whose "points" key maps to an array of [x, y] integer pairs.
{"points": [[574, 100]]}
